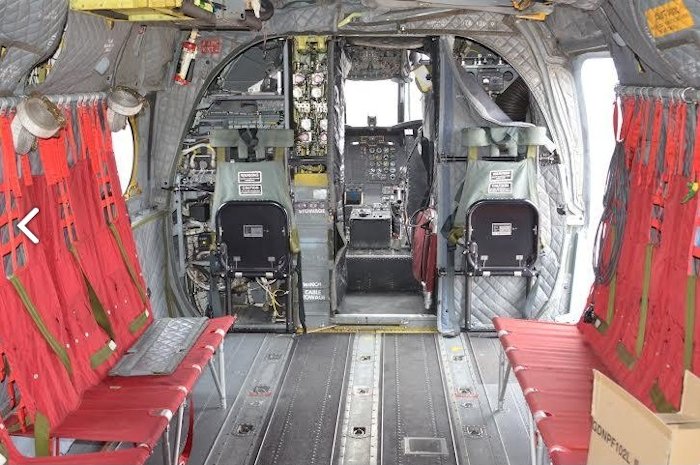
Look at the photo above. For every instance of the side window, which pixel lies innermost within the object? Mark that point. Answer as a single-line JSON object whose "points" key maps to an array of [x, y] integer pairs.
{"points": [[124, 146], [598, 79]]}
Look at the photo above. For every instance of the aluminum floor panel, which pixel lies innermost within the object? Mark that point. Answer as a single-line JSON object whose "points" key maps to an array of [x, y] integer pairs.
{"points": [[306, 415], [241, 350], [382, 303], [320, 387], [512, 422], [240, 435], [416, 426]]}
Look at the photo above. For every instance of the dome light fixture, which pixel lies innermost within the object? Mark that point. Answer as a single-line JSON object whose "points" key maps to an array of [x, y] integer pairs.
{"points": [[122, 102], [36, 117]]}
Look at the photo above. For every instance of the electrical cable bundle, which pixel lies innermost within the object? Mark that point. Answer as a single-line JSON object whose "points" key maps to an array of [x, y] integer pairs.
{"points": [[611, 229], [271, 294]]}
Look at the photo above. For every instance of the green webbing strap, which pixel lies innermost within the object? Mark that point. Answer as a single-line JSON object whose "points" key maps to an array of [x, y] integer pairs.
{"points": [[4, 452], [56, 346], [127, 262], [644, 308], [98, 310], [603, 326], [625, 356], [612, 291], [689, 322], [659, 399], [41, 435], [139, 322], [17, 427], [532, 151], [102, 355]]}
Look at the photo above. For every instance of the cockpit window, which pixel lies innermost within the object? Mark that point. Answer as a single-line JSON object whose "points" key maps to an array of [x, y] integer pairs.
{"points": [[378, 99]]}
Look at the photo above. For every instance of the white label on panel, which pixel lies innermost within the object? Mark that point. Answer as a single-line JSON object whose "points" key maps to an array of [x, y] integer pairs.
{"points": [[501, 229], [249, 177], [250, 190]]}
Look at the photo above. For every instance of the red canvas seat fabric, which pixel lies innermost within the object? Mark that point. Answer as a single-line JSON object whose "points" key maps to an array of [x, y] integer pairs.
{"points": [[136, 455], [131, 408], [650, 306], [76, 301], [554, 367]]}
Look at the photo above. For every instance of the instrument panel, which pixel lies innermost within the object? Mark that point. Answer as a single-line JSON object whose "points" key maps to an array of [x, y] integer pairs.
{"points": [[375, 185], [380, 158], [374, 158]]}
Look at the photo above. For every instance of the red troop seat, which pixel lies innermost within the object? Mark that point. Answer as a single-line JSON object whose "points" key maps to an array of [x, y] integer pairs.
{"points": [[554, 367]]}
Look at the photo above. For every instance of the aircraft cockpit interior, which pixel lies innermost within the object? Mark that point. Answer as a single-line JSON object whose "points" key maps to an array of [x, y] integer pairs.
{"points": [[349, 124]]}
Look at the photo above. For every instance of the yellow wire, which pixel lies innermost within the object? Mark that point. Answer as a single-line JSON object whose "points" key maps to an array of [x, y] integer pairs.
{"points": [[522, 4]]}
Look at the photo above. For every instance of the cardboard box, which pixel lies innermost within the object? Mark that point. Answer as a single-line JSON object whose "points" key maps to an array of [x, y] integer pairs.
{"points": [[626, 432]]}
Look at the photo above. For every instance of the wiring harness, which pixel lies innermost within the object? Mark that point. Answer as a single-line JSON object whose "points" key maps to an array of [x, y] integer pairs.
{"points": [[611, 229]]}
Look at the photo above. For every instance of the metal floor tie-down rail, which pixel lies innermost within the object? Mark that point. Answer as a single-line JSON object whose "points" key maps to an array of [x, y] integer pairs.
{"points": [[364, 398]]}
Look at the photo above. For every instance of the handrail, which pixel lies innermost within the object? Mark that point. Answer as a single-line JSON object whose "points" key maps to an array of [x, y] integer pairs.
{"points": [[687, 94], [12, 102]]}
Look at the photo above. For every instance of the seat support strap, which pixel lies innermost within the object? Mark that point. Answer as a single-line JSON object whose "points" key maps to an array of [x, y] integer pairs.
{"points": [[56, 346]]}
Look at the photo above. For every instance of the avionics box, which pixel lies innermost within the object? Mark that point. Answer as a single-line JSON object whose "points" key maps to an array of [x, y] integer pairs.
{"points": [[626, 432]]}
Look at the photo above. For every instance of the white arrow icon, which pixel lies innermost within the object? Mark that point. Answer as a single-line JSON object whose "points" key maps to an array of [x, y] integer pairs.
{"points": [[22, 225]]}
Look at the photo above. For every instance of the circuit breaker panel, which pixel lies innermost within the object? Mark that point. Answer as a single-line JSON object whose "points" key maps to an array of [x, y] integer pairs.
{"points": [[310, 96], [309, 166]]}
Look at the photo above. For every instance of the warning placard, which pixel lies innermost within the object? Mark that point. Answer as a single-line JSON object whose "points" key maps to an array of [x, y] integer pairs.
{"points": [[250, 190], [501, 175], [501, 229], [314, 291], [500, 182], [249, 177], [669, 18]]}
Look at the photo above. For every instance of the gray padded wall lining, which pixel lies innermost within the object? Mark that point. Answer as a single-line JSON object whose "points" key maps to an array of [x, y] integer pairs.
{"points": [[667, 61], [172, 108], [31, 31], [582, 4], [152, 255], [147, 58], [576, 30], [681, 50], [89, 42]]}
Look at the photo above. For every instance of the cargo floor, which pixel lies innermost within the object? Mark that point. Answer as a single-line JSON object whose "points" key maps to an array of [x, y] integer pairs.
{"points": [[363, 398], [382, 303]]}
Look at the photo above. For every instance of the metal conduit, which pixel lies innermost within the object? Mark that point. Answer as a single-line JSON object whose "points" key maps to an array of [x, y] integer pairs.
{"points": [[687, 94]]}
